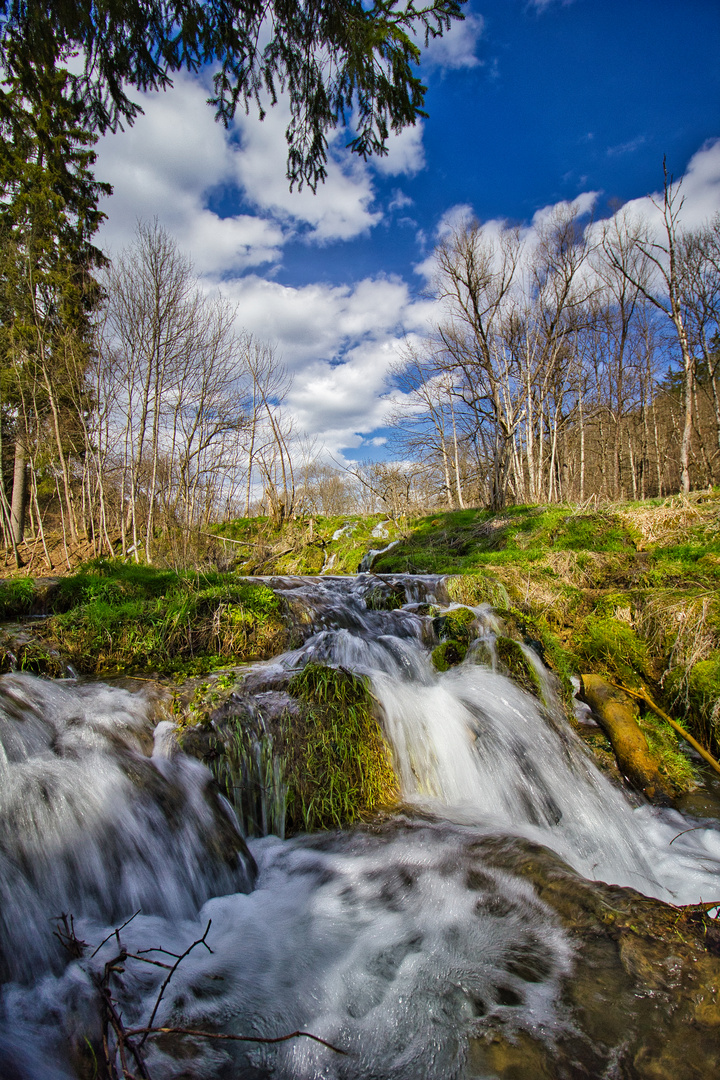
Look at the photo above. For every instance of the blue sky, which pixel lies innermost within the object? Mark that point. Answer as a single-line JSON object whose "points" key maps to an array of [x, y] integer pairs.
{"points": [[530, 104]]}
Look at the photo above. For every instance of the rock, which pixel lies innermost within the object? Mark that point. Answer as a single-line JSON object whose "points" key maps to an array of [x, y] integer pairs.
{"points": [[643, 1000]]}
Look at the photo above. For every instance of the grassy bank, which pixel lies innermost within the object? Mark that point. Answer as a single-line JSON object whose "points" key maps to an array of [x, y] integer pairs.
{"points": [[629, 591], [116, 618]]}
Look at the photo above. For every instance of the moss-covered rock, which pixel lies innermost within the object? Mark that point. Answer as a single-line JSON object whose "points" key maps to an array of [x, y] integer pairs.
{"points": [[514, 663], [448, 654], [337, 762], [112, 620], [456, 624]]}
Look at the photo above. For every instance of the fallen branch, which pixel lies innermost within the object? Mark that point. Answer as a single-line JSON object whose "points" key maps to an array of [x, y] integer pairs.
{"points": [[119, 1041], [615, 712], [643, 695], [232, 1038]]}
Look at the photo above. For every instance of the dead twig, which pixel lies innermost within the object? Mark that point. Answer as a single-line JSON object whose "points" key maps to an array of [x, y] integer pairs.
{"points": [[233, 1038], [178, 960]]}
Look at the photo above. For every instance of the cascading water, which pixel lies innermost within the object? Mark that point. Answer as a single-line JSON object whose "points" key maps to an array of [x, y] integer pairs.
{"points": [[393, 944]]}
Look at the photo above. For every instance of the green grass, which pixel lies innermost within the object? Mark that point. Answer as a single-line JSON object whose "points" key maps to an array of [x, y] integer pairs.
{"points": [[115, 618], [307, 545], [16, 598], [337, 763], [663, 745], [463, 541]]}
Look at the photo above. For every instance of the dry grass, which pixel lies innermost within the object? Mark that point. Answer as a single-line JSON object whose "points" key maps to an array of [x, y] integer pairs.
{"points": [[671, 521]]}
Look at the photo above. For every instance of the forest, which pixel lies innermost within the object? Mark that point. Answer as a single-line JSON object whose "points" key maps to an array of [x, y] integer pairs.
{"points": [[578, 362]]}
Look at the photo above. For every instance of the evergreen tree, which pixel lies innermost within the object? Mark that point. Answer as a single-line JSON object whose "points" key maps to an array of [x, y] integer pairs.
{"points": [[48, 216], [328, 58]]}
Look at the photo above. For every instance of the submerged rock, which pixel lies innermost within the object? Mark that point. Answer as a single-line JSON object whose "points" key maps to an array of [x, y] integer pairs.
{"points": [[643, 1000]]}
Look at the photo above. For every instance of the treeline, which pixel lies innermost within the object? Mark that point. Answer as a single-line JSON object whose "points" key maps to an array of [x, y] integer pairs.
{"points": [[569, 363], [160, 416]]}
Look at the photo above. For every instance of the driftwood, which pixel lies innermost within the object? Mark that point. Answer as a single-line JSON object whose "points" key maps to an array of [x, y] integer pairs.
{"points": [[615, 712]]}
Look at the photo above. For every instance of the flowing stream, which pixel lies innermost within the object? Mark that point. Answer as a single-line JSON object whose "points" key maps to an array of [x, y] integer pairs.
{"points": [[393, 943]]}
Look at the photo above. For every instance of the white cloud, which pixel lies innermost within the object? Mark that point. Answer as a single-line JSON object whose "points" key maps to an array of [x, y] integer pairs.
{"points": [[582, 205], [399, 200], [627, 147], [339, 342], [169, 164], [543, 5], [405, 153], [699, 191], [453, 218], [456, 48], [339, 210], [166, 166]]}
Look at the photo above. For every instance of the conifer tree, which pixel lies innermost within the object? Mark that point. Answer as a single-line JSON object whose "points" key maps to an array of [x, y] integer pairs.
{"points": [[48, 216]]}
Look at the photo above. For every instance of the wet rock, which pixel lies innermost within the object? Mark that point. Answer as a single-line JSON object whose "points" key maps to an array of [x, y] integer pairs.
{"points": [[449, 654], [643, 1000]]}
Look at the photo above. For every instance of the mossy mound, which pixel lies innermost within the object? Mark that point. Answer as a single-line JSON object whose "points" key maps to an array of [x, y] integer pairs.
{"points": [[699, 690], [304, 545], [516, 665], [611, 647], [448, 654], [338, 765], [17, 597], [458, 624], [115, 618]]}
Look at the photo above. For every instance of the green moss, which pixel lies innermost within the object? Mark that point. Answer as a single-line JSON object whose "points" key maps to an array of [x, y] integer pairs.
{"points": [[703, 697], [457, 624], [160, 621], [663, 745], [448, 654], [611, 646], [517, 666], [337, 762]]}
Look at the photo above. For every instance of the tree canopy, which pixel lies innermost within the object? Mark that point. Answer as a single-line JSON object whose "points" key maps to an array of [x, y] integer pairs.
{"points": [[328, 58]]}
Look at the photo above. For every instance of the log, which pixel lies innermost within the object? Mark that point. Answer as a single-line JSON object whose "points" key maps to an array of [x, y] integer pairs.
{"points": [[615, 712], [677, 728]]}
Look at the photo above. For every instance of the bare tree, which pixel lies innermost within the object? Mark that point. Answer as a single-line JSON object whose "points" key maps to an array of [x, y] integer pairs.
{"points": [[655, 268]]}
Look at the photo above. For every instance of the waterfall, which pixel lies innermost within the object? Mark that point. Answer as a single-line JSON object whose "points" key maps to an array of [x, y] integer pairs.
{"points": [[394, 942]]}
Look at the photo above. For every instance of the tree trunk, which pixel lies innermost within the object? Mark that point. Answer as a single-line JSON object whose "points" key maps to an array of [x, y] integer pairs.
{"points": [[19, 494]]}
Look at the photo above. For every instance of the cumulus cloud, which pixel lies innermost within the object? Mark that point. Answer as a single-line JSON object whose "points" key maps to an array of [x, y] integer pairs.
{"points": [[339, 342], [699, 190], [405, 155], [339, 210], [166, 166], [457, 47], [582, 205], [175, 158]]}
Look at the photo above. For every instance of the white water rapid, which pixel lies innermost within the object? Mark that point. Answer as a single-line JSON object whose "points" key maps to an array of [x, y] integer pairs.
{"points": [[393, 944]]}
